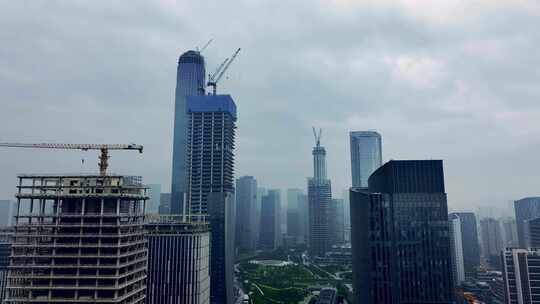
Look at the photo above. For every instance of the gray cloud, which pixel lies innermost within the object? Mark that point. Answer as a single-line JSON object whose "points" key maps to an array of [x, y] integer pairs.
{"points": [[451, 79]]}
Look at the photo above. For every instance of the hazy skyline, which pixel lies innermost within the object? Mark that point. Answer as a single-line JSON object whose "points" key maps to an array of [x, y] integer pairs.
{"points": [[454, 80]]}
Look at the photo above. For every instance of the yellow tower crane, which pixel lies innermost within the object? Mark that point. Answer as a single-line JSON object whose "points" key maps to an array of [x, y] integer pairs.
{"points": [[104, 148]]}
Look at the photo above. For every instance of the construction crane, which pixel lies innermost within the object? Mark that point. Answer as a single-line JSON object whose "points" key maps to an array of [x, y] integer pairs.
{"points": [[206, 45], [317, 136], [214, 78], [104, 148]]}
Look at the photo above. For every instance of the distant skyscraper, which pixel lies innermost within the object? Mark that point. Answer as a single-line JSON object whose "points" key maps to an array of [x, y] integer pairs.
{"points": [[165, 203], [471, 245], [260, 193], [319, 200], [270, 237], [303, 212], [366, 156], [210, 191], [190, 81], [176, 249], [154, 194], [521, 273], [335, 221], [509, 232], [246, 199], [491, 241], [346, 216], [400, 236], [295, 228], [457, 249], [6, 213], [526, 209]]}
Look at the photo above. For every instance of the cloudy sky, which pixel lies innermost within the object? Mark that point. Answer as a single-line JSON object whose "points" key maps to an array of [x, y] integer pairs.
{"points": [[456, 80]]}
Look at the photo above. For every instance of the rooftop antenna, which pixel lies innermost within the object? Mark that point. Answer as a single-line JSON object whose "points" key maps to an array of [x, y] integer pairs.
{"points": [[317, 136]]}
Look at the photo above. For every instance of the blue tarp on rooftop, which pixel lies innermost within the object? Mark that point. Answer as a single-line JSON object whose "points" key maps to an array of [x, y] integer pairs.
{"points": [[211, 103]]}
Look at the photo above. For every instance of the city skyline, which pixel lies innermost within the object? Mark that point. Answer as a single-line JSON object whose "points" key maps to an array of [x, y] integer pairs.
{"points": [[98, 70]]}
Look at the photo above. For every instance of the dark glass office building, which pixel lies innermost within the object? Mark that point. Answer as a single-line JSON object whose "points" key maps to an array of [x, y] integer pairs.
{"points": [[469, 239], [400, 236]]}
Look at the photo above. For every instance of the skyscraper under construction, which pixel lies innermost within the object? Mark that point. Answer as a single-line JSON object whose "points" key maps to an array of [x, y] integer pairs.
{"points": [[78, 239], [319, 200]]}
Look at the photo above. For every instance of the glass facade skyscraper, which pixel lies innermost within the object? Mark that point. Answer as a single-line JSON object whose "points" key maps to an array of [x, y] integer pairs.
{"points": [[246, 197], [471, 245], [400, 236], [526, 209], [366, 156], [190, 81]]}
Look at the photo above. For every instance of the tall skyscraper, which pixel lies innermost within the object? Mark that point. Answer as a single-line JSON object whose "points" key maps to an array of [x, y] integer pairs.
{"points": [[190, 81], [294, 215], [346, 216], [335, 221], [366, 155], [178, 262], [270, 237], [400, 235], [457, 249], [491, 241], [303, 211], [165, 203], [246, 199], [210, 191], [319, 200], [78, 239], [526, 209], [509, 232], [471, 245], [521, 273], [154, 197]]}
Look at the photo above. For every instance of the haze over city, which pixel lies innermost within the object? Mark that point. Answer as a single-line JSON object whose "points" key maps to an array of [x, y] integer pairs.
{"points": [[454, 81]]}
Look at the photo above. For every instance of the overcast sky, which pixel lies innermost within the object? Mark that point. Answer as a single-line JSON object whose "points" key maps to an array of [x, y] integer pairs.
{"points": [[456, 80]]}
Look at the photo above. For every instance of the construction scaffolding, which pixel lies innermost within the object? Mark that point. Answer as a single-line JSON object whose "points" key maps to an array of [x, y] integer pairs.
{"points": [[78, 239]]}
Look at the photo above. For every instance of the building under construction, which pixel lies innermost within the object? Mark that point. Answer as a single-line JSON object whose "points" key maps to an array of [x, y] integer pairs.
{"points": [[78, 239]]}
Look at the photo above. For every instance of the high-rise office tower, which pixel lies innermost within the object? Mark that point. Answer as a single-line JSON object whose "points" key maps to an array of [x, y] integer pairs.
{"points": [[366, 155], [6, 213], [521, 273], [509, 232], [295, 228], [491, 241], [154, 197], [335, 221], [303, 212], [457, 249], [270, 237], [5, 251], [471, 245], [78, 239], [526, 209], [190, 81], [400, 235], [246, 199], [532, 233], [260, 193], [210, 191], [346, 216], [165, 203], [178, 262], [319, 200]]}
